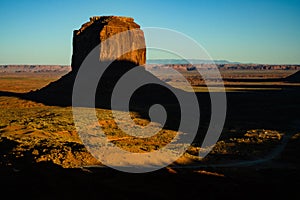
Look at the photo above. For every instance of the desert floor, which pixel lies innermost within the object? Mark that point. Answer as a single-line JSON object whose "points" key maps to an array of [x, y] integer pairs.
{"points": [[256, 156]]}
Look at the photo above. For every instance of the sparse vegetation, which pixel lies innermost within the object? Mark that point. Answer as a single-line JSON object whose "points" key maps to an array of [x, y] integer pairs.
{"points": [[32, 132]]}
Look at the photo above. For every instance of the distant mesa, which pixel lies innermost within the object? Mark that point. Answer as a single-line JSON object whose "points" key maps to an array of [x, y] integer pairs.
{"points": [[34, 68], [188, 61]]}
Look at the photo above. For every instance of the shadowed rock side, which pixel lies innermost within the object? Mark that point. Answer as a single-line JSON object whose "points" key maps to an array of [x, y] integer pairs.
{"points": [[294, 78]]}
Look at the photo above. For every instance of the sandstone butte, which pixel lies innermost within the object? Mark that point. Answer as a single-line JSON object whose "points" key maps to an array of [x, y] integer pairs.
{"points": [[100, 28], [89, 36]]}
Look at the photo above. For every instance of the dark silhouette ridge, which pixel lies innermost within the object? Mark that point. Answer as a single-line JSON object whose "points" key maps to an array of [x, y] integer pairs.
{"points": [[293, 78], [12, 94]]}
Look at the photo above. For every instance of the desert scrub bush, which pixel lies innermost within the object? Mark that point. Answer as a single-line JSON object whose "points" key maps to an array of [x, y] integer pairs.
{"points": [[254, 144]]}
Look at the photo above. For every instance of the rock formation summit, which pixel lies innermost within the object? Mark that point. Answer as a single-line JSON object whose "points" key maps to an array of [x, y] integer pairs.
{"points": [[99, 29]]}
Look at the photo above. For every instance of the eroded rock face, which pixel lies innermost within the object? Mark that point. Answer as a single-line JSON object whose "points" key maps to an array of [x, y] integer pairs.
{"points": [[89, 36], [98, 29]]}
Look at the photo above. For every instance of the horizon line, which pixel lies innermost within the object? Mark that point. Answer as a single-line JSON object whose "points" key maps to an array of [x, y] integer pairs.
{"points": [[217, 62]]}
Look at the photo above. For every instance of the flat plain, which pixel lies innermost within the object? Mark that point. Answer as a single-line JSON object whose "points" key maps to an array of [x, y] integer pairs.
{"points": [[257, 151]]}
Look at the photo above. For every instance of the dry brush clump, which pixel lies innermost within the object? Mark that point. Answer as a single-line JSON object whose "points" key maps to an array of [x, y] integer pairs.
{"points": [[252, 145]]}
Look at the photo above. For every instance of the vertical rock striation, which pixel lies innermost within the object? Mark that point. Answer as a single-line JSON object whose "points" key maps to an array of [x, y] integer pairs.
{"points": [[98, 29]]}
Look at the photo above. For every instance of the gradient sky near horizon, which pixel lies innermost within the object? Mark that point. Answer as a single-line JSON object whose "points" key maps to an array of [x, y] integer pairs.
{"points": [[256, 31]]}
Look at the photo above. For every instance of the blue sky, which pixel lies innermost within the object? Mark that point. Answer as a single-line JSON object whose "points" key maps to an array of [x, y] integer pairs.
{"points": [[258, 31]]}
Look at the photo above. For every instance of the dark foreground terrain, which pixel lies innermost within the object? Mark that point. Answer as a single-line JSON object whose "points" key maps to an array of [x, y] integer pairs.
{"points": [[53, 182], [257, 155]]}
